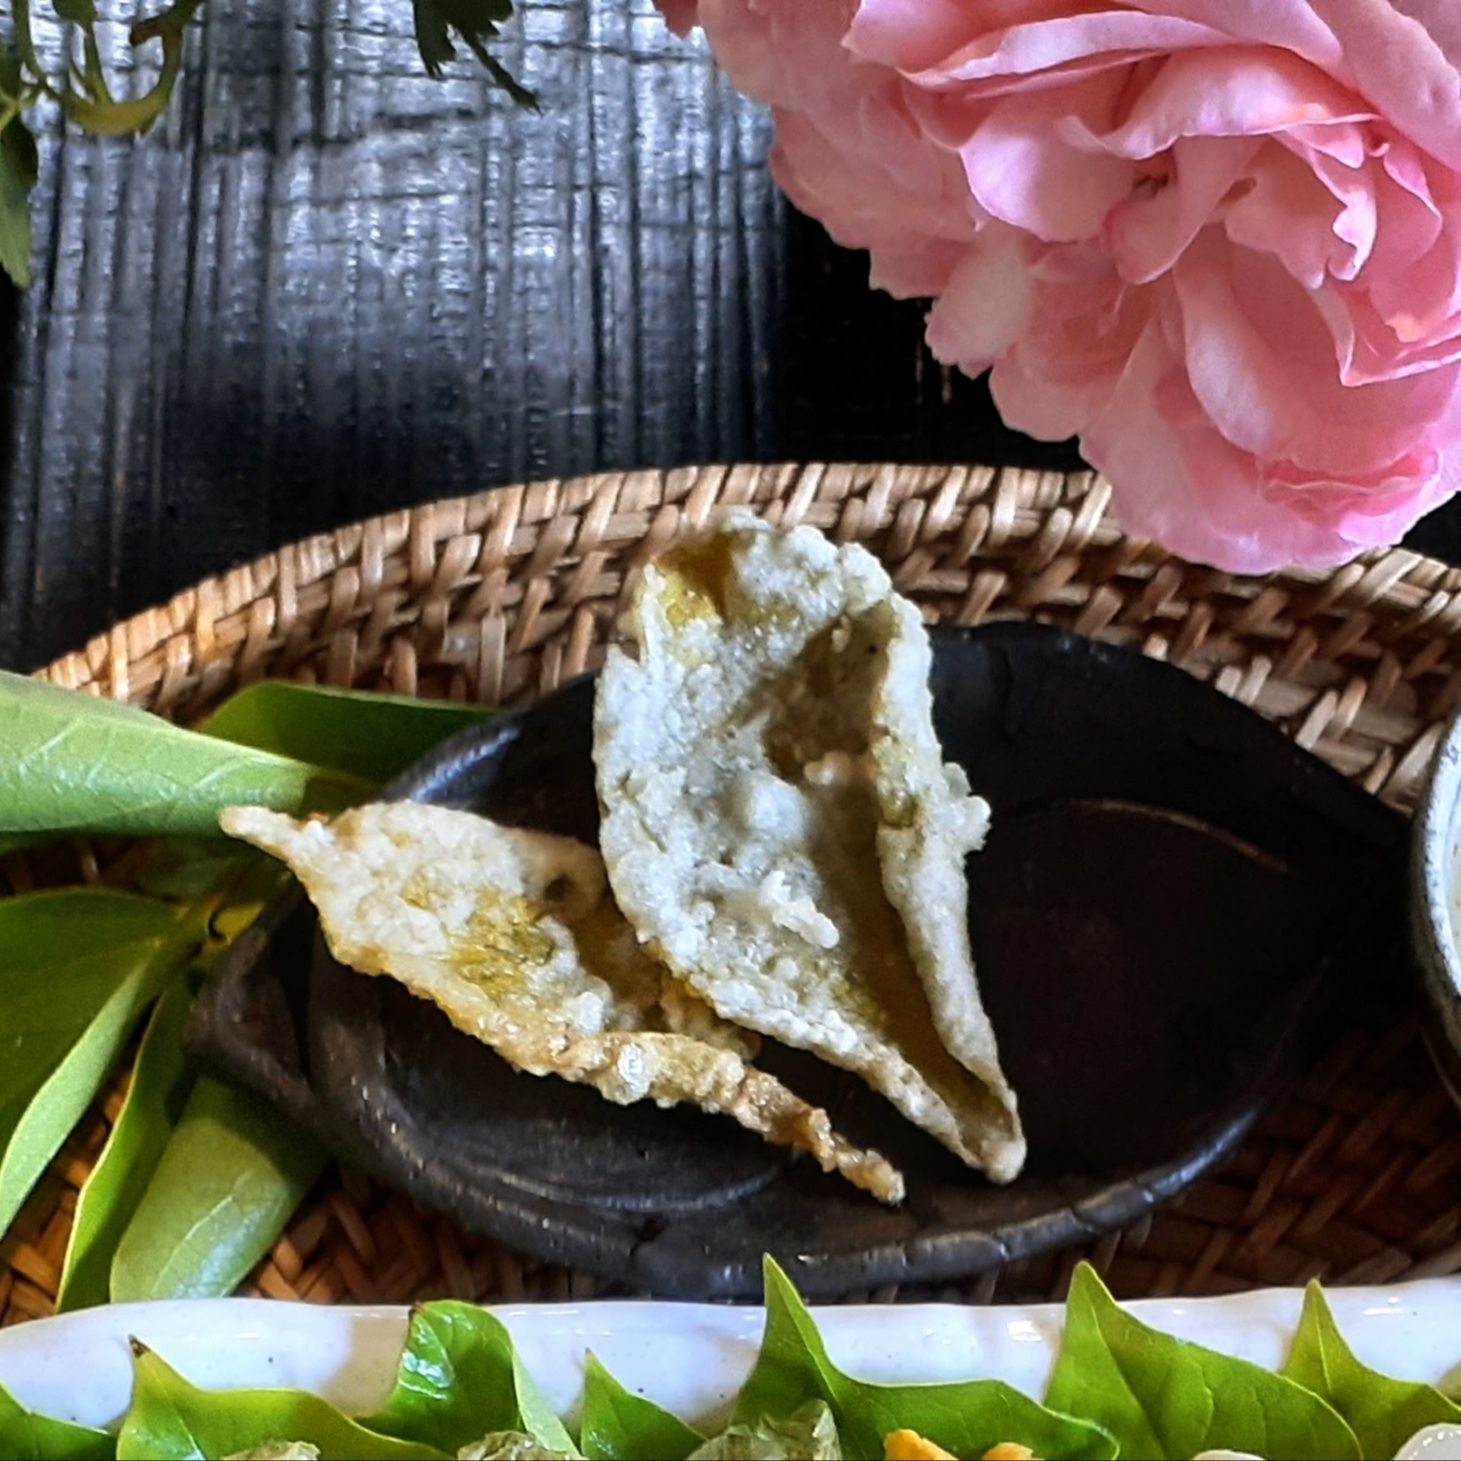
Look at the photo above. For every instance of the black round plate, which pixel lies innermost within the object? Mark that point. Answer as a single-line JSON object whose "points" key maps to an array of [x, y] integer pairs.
{"points": [[1173, 898]]}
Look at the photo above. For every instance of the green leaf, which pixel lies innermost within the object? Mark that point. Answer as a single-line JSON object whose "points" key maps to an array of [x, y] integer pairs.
{"points": [[109, 1197], [474, 22], [26, 1436], [966, 1417], [25, 50], [1164, 1397], [618, 1424], [71, 763], [81, 12], [18, 165], [190, 868], [169, 1418], [810, 1434], [1450, 1383], [77, 969], [357, 732], [233, 1172], [95, 109], [460, 1379], [1382, 1412], [432, 38]]}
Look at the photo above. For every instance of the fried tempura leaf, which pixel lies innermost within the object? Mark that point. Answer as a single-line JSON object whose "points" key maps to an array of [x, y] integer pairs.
{"points": [[513, 934], [780, 827]]}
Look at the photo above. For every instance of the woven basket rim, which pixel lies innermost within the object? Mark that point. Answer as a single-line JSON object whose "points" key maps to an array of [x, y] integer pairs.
{"points": [[496, 595], [317, 556]]}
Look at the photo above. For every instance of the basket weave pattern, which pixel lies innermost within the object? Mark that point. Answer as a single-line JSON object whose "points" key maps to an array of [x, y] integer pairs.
{"points": [[498, 597]]}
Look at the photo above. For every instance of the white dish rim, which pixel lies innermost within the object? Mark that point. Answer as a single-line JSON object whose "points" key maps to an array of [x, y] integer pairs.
{"points": [[689, 1357]]}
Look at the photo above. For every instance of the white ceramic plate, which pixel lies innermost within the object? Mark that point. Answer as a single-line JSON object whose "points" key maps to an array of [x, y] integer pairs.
{"points": [[689, 1357]]}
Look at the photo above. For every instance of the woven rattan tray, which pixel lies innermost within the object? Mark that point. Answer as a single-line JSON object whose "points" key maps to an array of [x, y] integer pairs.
{"points": [[1356, 1177]]}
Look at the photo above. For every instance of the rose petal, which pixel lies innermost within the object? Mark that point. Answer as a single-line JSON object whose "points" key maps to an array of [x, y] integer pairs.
{"points": [[1177, 481], [914, 268], [863, 203], [1410, 216], [1261, 361], [1405, 56], [986, 305], [1290, 211], [1227, 93], [912, 34], [1084, 325], [1291, 25], [1148, 232], [1022, 172], [1022, 49], [784, 55]]}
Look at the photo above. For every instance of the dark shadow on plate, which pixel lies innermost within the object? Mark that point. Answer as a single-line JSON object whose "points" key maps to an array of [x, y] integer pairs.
{"points": [[1172, 905]]}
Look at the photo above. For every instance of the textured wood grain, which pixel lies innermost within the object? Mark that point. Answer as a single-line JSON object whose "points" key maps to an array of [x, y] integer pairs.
{"points": [[327, 286]]}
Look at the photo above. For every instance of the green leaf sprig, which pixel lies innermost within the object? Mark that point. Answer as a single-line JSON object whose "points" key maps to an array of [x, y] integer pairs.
{"points": [[73, 764], [1382, 1412], [78, 968], [171, 1420], [618, 1425], [225, 1185], [461, 1390], [1166, 1398], [150, 1113], [966, 1417], [459, 1379], [84, 93], [196, 1179], [34, 1437]]}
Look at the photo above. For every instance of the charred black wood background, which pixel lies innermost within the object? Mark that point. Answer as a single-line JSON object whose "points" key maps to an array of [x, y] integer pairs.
{"points": [[327, 286]]}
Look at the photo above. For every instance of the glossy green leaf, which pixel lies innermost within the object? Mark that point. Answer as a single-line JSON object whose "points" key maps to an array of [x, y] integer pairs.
{"points": [[170, 1419], [77, 969], [617, 1424], [161, 1080], [965, 1417], [231, 1175], [188, 868], [17, 177], [26, 1436], [71, 762], [1382, 1412], [1164, 1397], [460, 1379], [374, 737]]}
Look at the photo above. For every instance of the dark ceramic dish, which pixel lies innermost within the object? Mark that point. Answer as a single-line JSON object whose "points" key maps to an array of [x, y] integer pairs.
{"points": [[1435, 905], [1173, 898]]}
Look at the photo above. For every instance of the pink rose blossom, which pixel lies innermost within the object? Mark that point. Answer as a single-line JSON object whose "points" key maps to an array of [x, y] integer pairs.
{"points": [[1218, 240]]}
